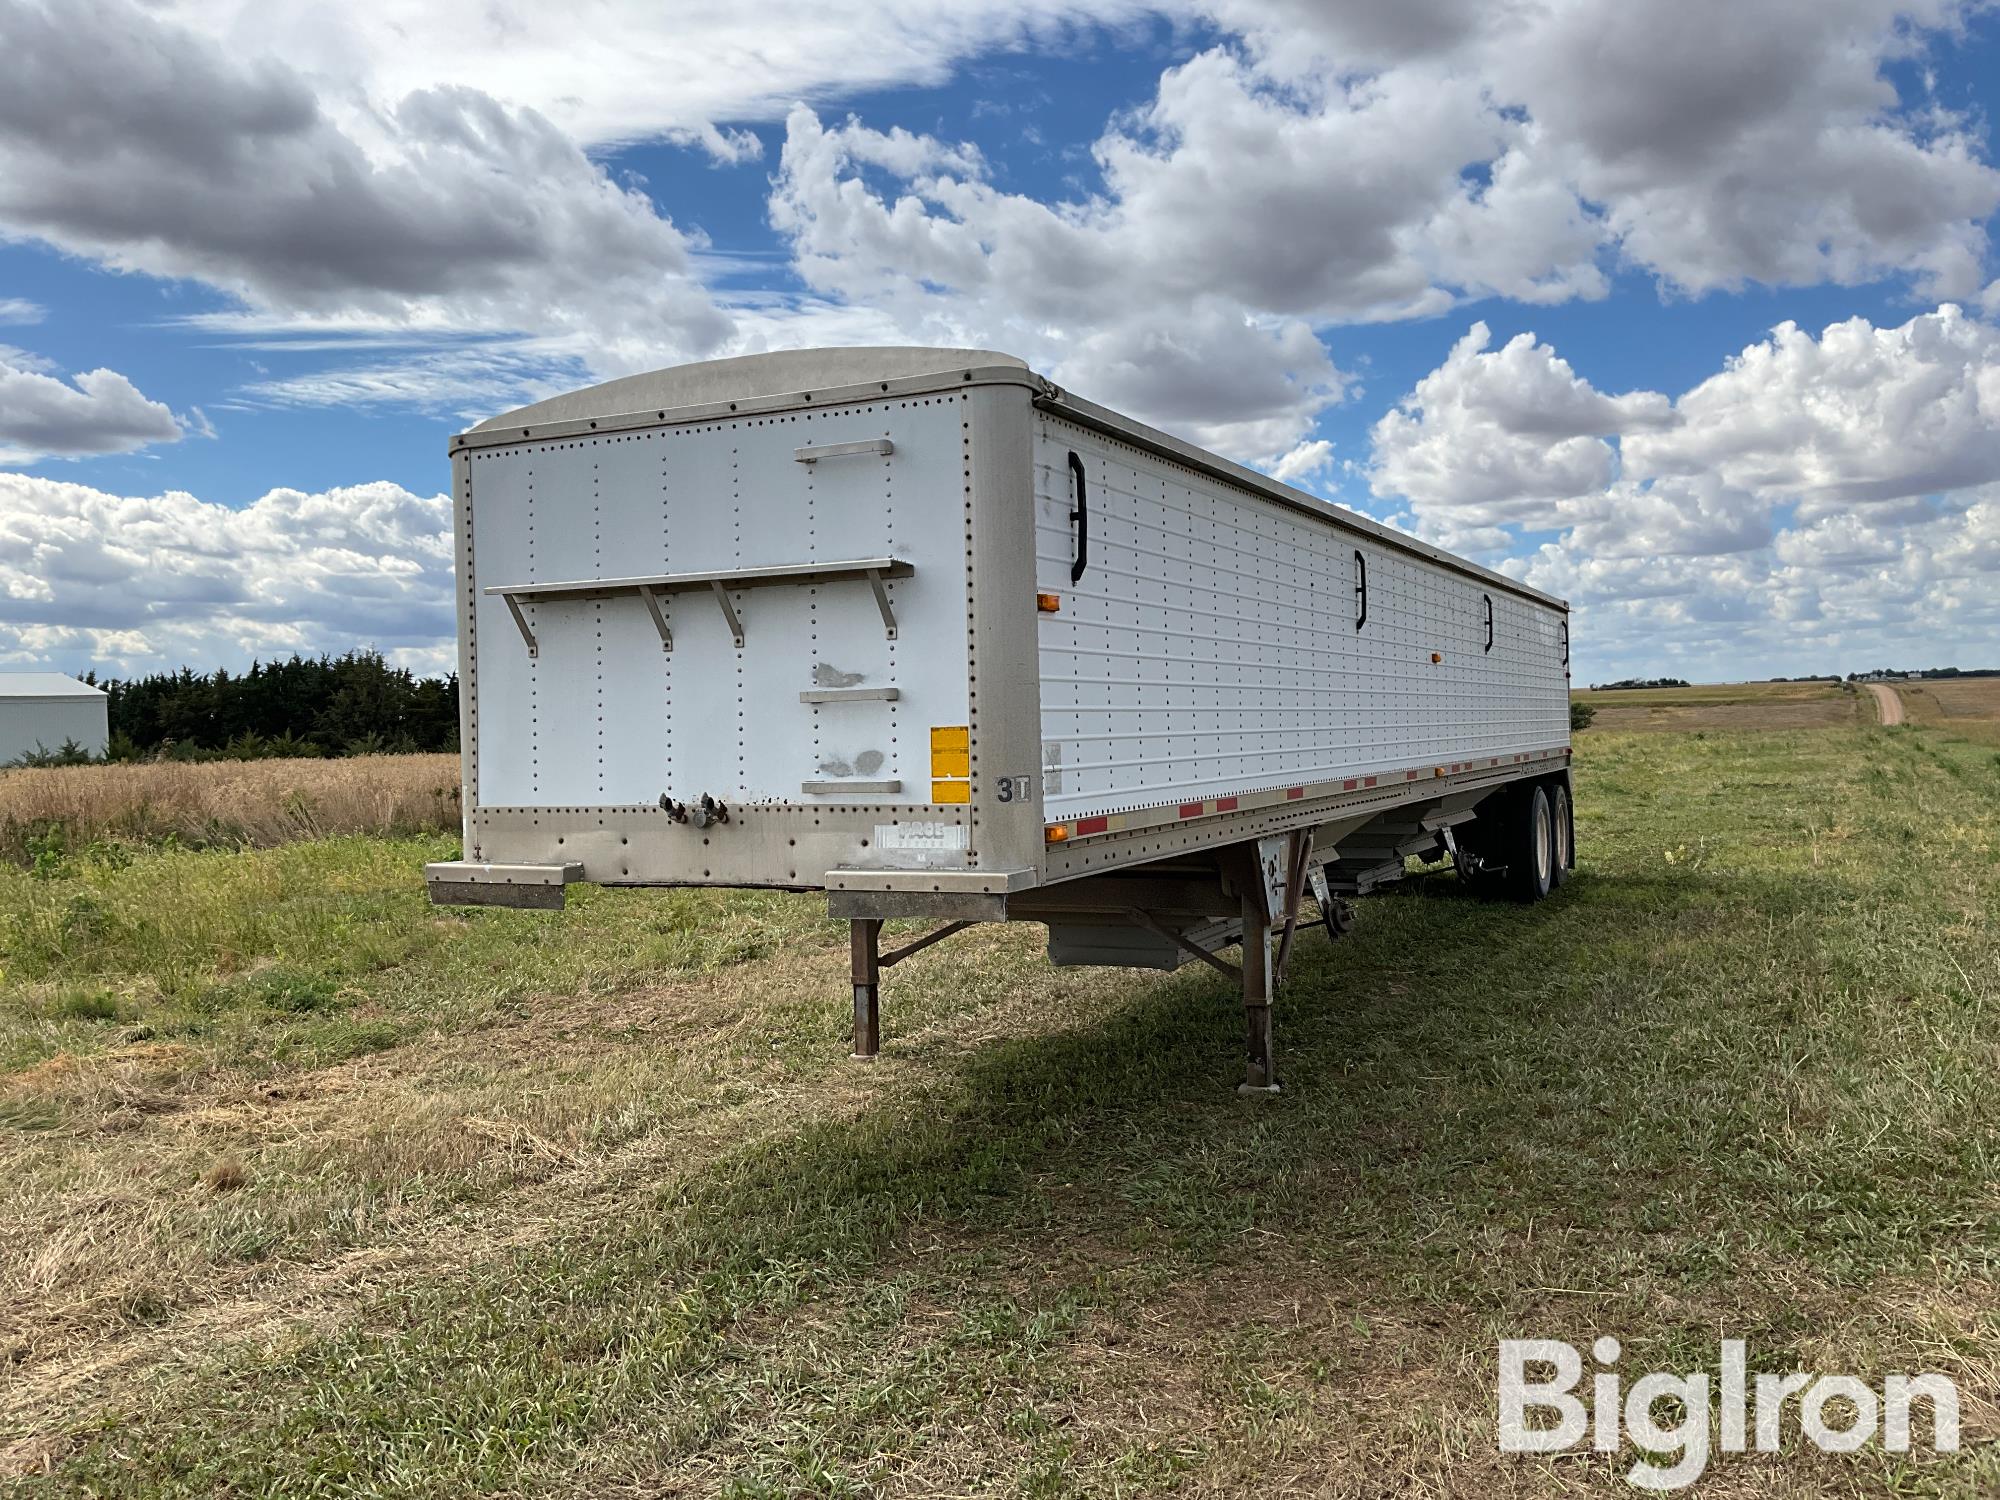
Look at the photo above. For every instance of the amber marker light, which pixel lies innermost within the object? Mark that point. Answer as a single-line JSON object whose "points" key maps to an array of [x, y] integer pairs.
{"points": [[1058, 834], [1436, 657], [1048, 604]]}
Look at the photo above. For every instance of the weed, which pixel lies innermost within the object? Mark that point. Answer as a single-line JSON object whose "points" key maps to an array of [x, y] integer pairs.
{"points": [[88, 1005], [48, 852]]}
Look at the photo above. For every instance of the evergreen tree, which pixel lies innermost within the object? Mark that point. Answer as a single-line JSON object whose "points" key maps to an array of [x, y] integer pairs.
{"points": [[328, 705]]}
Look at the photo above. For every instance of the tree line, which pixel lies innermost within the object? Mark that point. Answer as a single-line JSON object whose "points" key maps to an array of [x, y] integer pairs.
{"points": [[1928, 674], [355, 704]]}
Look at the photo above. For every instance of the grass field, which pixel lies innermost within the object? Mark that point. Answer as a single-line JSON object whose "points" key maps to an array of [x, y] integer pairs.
{"points": [[312, 1189]]}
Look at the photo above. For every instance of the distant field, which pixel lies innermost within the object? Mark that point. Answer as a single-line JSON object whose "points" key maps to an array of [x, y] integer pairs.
{"points": [[1967, 707], [307, 1187], [1738, 705], [257, 803]]}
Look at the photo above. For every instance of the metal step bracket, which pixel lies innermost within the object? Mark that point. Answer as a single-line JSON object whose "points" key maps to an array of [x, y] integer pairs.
{"points": [[653, 589]]}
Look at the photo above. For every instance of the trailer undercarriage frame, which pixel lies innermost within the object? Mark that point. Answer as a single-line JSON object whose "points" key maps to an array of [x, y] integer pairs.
{"points": [[1249, 895]]}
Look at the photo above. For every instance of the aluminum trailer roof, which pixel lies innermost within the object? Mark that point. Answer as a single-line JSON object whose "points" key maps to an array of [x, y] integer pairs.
{"points": [[822, 377]]}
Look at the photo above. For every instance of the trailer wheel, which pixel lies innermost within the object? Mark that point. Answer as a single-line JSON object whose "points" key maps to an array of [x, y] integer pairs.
{"points": [[1531, 847], [1562, 828]]}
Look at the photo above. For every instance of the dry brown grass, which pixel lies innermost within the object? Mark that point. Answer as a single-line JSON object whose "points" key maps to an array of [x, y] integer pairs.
{"points": [[248, 803]]}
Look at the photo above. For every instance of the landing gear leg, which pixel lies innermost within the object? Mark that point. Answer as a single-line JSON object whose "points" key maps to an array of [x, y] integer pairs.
{"points": [[1260, 1069], [865, 934]]}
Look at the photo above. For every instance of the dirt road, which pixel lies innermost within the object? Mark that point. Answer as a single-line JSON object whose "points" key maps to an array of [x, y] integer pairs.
{"points": [[1888, 701]]}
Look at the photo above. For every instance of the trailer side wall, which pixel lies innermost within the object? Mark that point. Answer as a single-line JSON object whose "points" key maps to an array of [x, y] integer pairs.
{"points": [[1211, 645]]}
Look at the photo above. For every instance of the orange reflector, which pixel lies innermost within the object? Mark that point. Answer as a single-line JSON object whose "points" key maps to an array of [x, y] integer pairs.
{"points": [[1057, 834], [1437, 656], [1437, 770], [1048, 604]]}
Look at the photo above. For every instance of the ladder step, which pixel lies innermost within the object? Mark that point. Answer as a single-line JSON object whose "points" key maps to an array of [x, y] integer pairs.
{"points": [[850, 695]]}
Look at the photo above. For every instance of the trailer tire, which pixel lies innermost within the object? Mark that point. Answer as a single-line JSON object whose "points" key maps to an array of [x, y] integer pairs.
{"points": [[1562, 831], [1531, 847]]}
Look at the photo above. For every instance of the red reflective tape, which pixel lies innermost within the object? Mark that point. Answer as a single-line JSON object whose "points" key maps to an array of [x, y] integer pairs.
{"points": [[1409, 776], [1092, 825], [1295, 793], [1349, 785], [1225, 804], [1192, 809], [1368, 781]]}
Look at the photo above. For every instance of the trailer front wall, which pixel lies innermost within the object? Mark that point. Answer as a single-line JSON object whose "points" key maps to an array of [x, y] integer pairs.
{"points": [[1211, 647], [603, 716]]}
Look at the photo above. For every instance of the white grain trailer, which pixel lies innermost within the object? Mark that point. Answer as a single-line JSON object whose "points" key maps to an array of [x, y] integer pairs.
{"points": [[922, 630]]}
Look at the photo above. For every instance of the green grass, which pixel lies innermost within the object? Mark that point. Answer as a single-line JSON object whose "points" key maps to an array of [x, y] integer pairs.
{"points": [[313, 951], [1736, 1080]]}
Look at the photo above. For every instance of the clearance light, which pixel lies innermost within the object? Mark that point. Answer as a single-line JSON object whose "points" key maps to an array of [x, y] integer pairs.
{"points": [[1436, 657], [1048, 604], [1058, 833]]}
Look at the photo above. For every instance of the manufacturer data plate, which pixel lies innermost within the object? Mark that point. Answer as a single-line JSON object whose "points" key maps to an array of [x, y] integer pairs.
{"points": [[921, 836]]}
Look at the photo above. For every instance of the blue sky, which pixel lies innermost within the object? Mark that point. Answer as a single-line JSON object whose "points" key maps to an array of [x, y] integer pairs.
{"points": [[1504, 275]]}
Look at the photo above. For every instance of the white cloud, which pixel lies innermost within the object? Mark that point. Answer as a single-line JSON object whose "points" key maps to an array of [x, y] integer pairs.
{"points": [[725, 147], [134, 583], [24, 359], [1351, 160], [1916, 596], [1504, 436], [1838, 491], [100, 411], [1859, 416], [21, 310], [1357, 163], [147, 147], [471, 381], [1715, 143], [1321, 201], [417, 179], [1696, 516], [627, 70], [951, 258], [1246, 387], [341, 173], [1305, 463], [346, 170]]}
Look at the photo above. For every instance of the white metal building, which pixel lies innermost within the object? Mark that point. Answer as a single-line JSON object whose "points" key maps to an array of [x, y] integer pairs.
{"points": [[45, 710]]}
